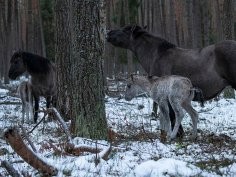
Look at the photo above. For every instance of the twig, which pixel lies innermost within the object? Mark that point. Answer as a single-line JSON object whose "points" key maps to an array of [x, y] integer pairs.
{"points": [[207, 110], [63, 124], [10, 103], [18, 161], [115, 147], [16, 142], [105, 153], [146, 134], [45, 114], [27, 138], [3, 96], [10, 169]]}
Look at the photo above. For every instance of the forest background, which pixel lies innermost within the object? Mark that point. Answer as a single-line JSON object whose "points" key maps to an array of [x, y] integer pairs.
{"points": [[30, 25]]}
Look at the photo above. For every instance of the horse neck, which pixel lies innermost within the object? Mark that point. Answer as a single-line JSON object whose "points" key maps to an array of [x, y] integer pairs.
{"points": [[35, 64], [144, 84], [145, 48]]}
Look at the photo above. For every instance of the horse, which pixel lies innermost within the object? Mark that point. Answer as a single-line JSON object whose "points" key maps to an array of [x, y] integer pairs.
{"points": [[42, 72], [211, 68], [25, 92], [177, 91]]}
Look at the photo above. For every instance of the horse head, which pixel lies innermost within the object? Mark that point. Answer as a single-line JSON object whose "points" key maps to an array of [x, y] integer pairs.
{"points": [[123, 37], [17, 66], [133, 88]]}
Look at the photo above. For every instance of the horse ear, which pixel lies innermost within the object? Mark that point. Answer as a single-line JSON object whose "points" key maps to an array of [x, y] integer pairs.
{"points": [[145, 27]]}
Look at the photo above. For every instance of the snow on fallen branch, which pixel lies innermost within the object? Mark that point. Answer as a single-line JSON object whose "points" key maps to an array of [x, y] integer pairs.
{"points": [[70, 148], [27, 138], [63, 124], [78, 150], [10, 169], [16, 142]]}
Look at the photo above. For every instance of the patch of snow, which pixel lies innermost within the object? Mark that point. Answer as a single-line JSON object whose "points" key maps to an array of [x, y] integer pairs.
{"points": [[166, 167]]}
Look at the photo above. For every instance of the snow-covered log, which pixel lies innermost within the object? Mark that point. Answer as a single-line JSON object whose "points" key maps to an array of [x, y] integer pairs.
{"points": [[16, 142], [77, 150]]}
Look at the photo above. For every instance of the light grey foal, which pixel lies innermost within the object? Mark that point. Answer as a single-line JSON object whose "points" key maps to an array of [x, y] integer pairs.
{"points": [[25, 93], [175, 90]]}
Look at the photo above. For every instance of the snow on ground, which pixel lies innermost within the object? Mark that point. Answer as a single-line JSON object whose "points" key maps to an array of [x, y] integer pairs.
{"points": [[138, 151]]}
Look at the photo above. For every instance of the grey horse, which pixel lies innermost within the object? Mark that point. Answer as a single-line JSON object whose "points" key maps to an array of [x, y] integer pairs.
{"points": [[211, 68], [25, 92], [175, 90]]}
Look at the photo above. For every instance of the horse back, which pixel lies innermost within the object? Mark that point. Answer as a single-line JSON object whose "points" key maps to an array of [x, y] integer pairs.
{"points": [[225, 63]]}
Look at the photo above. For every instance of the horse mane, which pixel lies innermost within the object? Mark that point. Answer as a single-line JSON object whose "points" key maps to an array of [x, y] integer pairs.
{"points": [[163, 45], [35, 64]]}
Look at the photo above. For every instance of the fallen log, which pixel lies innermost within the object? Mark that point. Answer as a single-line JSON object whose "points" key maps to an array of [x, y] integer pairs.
{"points": [[78, 150], [16, 142]]}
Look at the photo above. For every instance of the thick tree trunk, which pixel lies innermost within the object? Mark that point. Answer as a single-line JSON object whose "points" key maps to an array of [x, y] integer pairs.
{"points": [[88, 29]]}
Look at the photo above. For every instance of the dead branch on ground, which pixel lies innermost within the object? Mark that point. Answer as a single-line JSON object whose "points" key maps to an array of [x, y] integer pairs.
{"points": [[27, 138], [44, 116], [105, 153], [63, 124], [16, 142], [78, 150]]}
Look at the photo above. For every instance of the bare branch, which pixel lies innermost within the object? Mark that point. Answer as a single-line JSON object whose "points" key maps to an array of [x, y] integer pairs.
{"points": [[27, 138], [105, 153], [63, 124], [44, 116]]}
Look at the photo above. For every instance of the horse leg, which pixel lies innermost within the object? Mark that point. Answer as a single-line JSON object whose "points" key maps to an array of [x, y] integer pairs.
{"points": [[27, 110], [54, 101], [180, 132], [179, 115], [23, 112], [164, 119], [194, 116], [49, 101], [154, 109], [36, 108]]}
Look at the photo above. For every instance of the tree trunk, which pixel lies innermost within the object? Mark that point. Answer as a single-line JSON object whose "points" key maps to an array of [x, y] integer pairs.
{"points": [[129, 53], [63, 58], [228, 33], [88, 34]]}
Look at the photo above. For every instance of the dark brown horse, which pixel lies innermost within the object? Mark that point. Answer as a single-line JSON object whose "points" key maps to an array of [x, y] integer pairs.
{"points": [[42, 72], [211, 68]]}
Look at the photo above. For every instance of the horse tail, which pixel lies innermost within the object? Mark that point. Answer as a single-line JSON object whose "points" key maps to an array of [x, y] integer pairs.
{"points": [[198, 95]]}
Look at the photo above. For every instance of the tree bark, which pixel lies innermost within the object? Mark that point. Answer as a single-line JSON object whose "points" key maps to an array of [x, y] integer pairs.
{"points": [[63, 58], [228, 28], [88, 34]]}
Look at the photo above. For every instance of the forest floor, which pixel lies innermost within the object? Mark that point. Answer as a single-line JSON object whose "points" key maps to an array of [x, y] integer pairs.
{"points": [[137, 149]]}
